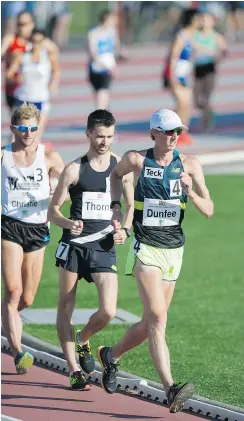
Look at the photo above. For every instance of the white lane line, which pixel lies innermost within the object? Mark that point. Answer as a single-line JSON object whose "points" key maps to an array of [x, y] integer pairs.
{"points": [[221, 157]]}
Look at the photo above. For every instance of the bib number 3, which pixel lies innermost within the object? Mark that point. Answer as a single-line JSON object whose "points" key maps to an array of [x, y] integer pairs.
{"points": [[62, 251]]}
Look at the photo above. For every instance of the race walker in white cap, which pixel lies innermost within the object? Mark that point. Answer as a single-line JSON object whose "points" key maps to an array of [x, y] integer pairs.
{"points": [[164, 179]]}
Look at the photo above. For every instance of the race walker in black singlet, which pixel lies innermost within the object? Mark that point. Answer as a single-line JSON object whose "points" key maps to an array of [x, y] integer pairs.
{"points": [[87, 246], [93, 251]]}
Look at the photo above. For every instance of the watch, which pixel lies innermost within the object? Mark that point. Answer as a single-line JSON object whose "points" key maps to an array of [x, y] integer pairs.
{"points": [[114, 203], [127, 231]]}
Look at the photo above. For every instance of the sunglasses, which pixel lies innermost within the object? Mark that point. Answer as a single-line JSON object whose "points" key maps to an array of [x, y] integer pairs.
{"points": [[24, 129], [178, 131]]}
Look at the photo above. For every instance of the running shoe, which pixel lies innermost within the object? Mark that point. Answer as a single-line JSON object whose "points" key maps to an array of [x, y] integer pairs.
{"points": [[78, 381], [178, 395], [23, 361], [109, 370], [86, 359]]}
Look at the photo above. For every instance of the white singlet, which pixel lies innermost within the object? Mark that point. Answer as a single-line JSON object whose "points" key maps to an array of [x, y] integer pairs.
{"points": [[25, 191], [37, 76]]}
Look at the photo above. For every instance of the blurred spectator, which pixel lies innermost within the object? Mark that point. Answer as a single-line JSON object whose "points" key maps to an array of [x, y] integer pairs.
{"points": [[59, 23], [210, 47], [9, 12], [235, 20], [178, 67], [39, 76], [103, 42], [12, 44], [54, 17]]}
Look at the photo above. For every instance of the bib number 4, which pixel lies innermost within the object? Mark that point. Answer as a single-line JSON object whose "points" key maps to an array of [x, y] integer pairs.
{"points": [[136, 247], [175, 188]]}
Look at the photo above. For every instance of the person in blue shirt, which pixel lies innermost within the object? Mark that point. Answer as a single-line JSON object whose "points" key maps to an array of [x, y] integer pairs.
{"points": [[176, 75], [103, 42]]}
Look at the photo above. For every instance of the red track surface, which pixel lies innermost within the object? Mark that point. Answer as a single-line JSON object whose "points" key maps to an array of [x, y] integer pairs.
{"points": [[44, 395]]}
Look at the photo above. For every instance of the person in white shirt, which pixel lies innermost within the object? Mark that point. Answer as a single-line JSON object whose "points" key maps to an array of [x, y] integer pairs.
{"points": [[39, 76], [26, 168], [103, 42]]}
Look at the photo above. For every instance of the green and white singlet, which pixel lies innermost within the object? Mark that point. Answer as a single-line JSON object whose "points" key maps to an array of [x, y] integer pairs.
{"points": [[160, 203]]}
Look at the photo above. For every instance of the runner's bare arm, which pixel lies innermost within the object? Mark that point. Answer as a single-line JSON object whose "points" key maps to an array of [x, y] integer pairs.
{"points": [[55, 78], [128, 164], [55, 168], [222, 46], [177, 46], [14, 66], [52, 47], [69, 176], [200, 197], [128, 194], [6, 42], [54, 162], [91, 45]]}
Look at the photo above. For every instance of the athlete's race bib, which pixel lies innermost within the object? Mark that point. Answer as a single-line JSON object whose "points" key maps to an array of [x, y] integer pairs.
{"points": [[23, 203], [96, 205], [161, 213], [105, 61], [183, 68]]}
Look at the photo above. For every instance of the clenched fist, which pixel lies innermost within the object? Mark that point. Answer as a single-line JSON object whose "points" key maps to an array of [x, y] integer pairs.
{"points": [[120, 236], [76, 227], [186, 182]]}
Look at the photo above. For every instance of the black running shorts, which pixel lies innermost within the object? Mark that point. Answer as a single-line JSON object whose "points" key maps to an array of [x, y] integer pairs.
{"points": [[85, 261], [203, 70], [30, 237], [100, 80]]}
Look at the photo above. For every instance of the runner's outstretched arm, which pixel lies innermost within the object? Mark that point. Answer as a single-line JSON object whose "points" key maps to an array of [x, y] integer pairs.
{"points": [[128, 193], [200, 197], [126, 166]]}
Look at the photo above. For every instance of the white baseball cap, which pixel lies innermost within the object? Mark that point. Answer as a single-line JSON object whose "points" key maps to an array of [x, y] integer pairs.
{"points": [[166, 120]]}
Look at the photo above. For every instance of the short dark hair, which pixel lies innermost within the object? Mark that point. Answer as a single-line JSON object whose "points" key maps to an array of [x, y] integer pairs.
{"points": [[37, 31], [101, 118], [187, 16], [103, 16]]}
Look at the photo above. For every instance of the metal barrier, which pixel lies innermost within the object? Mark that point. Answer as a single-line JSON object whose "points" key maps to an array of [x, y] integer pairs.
{"points": [[137, 387]]}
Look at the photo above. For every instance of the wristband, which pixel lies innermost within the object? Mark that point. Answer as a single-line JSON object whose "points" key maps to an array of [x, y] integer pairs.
{"points": [[114, 203], [127, 231]]}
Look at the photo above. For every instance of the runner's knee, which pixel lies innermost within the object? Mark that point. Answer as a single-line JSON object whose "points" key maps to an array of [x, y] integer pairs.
{"points": [[107, 314], [12, 295], [157, 318]]}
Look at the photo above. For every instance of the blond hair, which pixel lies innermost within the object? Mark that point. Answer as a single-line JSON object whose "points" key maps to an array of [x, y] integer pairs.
{"points": [[25, 112]]}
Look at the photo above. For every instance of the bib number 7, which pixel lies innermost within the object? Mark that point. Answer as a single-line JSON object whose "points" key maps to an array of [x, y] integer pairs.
{"points": [[62, 251]]}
